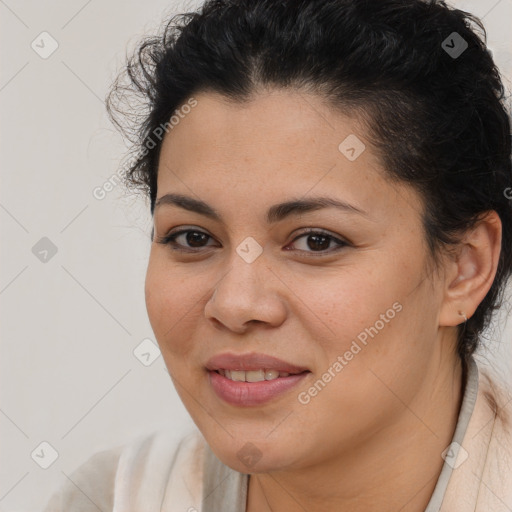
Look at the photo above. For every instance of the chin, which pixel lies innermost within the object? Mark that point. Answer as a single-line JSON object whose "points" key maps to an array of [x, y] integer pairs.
{"points": [[253, 456]]}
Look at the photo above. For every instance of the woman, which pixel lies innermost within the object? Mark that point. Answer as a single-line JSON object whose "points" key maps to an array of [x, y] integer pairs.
{"points": [[331, 235]]}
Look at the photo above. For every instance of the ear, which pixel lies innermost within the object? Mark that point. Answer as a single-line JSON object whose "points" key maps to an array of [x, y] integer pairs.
{"points": [[471, 271]]}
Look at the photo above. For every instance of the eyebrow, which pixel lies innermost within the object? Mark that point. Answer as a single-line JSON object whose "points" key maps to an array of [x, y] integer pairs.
{"points": [[275, 213]]}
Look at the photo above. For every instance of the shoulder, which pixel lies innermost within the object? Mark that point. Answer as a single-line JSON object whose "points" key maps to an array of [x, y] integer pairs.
{"points": [[481, 475], [138, 471], [90, 487], [488, 445], [495, 432]]}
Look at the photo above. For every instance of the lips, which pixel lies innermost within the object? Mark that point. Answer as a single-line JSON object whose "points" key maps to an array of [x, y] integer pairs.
{"points": [[246, 394], [252, 362], [236, 378]]}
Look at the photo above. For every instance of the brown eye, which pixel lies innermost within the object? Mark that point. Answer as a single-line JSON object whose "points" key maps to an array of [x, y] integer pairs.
{"points": [[190, 239], [319, 242], [195, 238]]}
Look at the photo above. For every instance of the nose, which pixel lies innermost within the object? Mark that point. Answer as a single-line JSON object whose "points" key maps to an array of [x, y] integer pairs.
{"points": [[248, 294]]}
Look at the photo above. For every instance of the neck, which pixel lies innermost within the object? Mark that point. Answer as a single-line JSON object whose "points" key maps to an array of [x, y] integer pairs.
{"points": [[397, 469]]}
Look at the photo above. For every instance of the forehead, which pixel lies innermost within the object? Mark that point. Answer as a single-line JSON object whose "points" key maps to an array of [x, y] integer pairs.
{"points": [[278, 144]]}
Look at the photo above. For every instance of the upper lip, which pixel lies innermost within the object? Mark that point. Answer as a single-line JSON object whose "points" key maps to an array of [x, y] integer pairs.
{"points": [[251, 361]]}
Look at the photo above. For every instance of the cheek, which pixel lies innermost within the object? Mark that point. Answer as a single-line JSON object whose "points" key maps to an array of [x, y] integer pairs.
{"points": [[383, 338], [164, 302], [345, 302], [157, 300], [371, 315], [174, 307]]}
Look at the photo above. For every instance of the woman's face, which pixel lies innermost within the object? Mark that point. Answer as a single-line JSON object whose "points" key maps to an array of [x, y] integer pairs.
{"points": [[352, 303]]}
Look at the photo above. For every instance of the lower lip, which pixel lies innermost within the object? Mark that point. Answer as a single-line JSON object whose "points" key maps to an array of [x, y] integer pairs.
{"points": [[252, 393]]}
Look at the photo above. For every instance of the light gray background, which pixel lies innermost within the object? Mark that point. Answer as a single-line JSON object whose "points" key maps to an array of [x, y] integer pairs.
{"points": [[70, 325]]}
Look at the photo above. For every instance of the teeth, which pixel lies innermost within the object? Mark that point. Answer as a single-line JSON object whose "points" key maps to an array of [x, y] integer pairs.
{"points": [[271, 374], [239, 376], [253, 375]]}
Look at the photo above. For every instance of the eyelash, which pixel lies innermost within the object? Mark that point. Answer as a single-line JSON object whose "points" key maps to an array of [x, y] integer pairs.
{"points": [[170, 239]]}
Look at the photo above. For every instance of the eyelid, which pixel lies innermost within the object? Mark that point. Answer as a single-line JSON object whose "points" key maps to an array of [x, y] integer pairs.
{"points": [[320, 231]]}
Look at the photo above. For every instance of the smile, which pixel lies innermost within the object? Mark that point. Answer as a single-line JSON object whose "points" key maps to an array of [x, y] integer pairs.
{"points": [[253, 375], [258, 391]]}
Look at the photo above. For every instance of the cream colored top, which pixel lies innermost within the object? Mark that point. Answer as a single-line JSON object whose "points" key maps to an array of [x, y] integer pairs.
{"points": [[155, 473]]}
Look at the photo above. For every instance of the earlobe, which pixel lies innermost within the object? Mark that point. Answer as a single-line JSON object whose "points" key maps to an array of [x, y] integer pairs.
{"points": [[463, 315], [472, 270]]}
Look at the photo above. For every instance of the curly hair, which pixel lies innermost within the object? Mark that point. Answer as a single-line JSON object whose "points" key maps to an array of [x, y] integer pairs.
{"points": [[436, 117]]}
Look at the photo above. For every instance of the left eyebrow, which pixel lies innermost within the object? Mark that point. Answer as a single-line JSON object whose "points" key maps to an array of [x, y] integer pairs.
{"points": [[280, 211], [275, 213]]}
